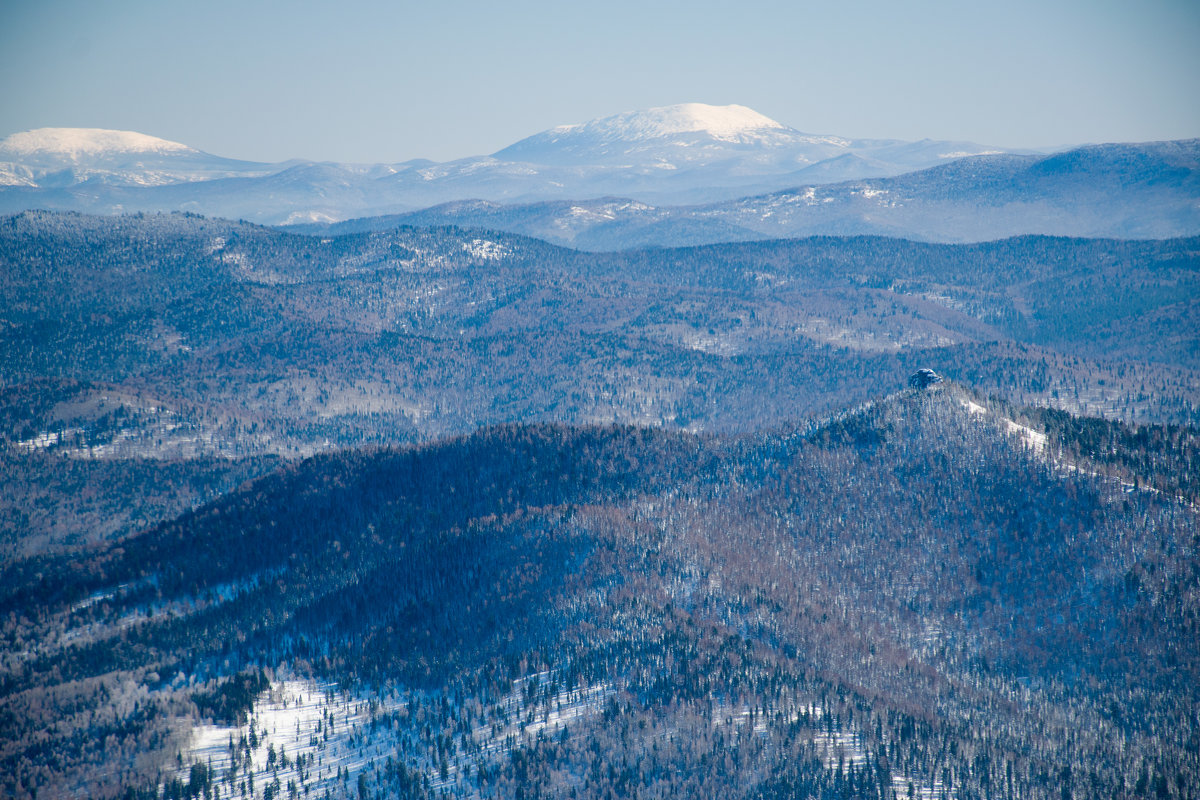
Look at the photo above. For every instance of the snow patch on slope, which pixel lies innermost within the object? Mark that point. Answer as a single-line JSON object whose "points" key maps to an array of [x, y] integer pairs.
{"points": [[15, 175], [486, 250], [316, 737], [969, 153], [1032, 439]]}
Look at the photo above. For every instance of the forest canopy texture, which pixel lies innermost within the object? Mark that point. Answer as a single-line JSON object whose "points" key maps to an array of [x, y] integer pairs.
{"points": [[433, 512]]}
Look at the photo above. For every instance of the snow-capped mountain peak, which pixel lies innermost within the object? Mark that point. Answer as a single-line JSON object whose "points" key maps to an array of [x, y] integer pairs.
{"points": [[674, 137], [727, 123], [75, 143], [64, 157]]}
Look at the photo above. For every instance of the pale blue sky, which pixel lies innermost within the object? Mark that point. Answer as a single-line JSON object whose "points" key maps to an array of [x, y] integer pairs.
{"points": [[389, 81]]}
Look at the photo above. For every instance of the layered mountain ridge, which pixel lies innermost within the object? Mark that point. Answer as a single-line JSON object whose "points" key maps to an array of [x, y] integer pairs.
{"points": [[685, 153], [676, 175], [208, 350], [1142, 191]]}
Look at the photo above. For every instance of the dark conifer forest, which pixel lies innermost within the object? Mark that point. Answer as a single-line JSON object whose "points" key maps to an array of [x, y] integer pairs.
{"points": [[450, 513]]}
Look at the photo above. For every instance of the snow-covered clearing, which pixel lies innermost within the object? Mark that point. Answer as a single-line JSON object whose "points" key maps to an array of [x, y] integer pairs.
{"points": [[310, 736], [48, 439], [486, 250], [300, 734]]}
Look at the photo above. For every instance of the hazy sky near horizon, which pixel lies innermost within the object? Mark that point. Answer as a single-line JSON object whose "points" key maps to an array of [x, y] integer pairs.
{"points": [[380, 81]]}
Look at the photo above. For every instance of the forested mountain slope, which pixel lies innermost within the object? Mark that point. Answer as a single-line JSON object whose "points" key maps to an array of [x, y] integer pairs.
{"points": [[917, 593], [218, 336]]}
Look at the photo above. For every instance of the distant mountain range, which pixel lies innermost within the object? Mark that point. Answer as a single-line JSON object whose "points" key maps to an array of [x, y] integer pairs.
{"points": [[672, 176], [1140, 191], [687, 153]]}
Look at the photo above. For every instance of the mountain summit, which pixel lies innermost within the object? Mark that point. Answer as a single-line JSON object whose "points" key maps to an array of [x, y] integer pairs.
{"points": [[73, 143], [728, 123], [63, 157], [689, 132]]}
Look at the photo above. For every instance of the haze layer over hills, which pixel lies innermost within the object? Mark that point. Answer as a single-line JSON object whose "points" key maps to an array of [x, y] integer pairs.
{"points": [[1141, 191]]}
